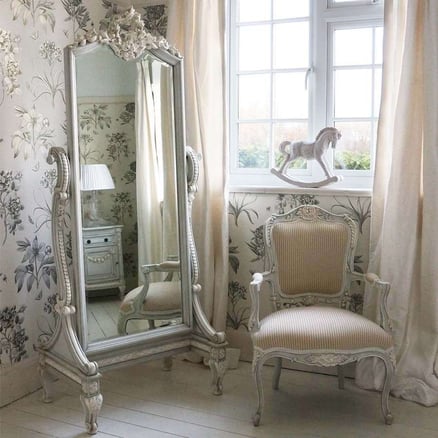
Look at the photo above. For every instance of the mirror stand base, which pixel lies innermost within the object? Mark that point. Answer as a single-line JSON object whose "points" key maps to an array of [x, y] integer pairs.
{"points": [[91, 400], [215, 355]]}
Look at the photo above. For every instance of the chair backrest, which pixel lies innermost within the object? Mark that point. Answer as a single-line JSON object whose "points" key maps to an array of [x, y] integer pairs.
{"points": [[311, 255]]}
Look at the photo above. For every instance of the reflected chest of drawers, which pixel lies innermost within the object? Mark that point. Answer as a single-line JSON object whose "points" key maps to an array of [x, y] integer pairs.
{"points": [[103, 260]]}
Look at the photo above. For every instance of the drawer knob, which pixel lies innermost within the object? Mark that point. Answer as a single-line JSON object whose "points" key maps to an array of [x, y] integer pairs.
{"points": [[88, 241], [106, 239]]}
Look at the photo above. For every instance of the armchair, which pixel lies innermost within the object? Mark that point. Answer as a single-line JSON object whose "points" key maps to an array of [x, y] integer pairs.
{"points": [[311, 257], [154, 300]]}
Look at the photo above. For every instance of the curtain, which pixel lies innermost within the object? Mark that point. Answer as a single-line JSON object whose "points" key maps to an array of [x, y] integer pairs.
{"points": [[404, 226], [197, 29], [148, 172], [170, 214]]}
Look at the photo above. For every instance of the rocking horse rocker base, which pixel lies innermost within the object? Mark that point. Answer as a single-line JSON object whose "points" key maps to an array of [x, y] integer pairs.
{"points": [[306, 185]]}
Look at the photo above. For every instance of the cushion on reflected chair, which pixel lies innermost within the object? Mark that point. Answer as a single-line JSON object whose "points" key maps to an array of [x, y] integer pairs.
{"points": [[162, 296], [319, 328]]}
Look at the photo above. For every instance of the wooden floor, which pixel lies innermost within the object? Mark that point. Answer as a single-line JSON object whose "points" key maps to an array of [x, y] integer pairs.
{"points": [[144, 401]]}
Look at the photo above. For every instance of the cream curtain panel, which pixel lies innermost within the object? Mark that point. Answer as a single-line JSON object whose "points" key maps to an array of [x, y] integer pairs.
{"points": [[404, 228], [197, 29]]}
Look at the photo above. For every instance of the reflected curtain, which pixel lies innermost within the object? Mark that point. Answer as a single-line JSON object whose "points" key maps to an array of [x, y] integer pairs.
{"points": [[170, 218], [404, 227], [148, 180], [197, 29]]}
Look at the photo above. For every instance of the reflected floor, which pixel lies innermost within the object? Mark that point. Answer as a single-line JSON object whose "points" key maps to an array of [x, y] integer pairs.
{"points": [[102, 315]]}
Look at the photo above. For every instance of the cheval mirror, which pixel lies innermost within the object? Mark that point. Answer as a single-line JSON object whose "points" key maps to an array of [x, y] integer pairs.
{"points": [[130, 291]]}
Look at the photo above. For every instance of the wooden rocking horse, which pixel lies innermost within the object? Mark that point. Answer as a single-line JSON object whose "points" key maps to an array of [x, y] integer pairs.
{"points": [[309, 151]]}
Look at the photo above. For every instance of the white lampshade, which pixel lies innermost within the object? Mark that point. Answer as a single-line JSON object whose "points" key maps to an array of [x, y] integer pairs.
{"points": [[96, 177]]}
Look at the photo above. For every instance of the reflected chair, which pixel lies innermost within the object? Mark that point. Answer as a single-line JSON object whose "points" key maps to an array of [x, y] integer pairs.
{"points": [[311, 258], [152, 301]]}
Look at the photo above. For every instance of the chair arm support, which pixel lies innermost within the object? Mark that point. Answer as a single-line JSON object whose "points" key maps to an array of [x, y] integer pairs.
{"points": [[383, 289], [254, 291]]}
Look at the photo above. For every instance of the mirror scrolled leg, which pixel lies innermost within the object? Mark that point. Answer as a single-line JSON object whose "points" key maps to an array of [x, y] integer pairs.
{"points": [[218, 366], [91, 400], [46, 380]]}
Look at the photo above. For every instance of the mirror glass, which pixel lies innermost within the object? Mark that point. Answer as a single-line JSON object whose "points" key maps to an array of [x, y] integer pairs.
{"points": [[126, 139]]}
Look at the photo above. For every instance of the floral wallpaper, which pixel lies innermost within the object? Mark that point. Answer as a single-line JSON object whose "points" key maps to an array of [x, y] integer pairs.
{"points": [[247, 214]]}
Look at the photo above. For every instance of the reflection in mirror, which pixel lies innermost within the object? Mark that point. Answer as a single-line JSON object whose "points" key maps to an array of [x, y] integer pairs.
{"points": [[128, 191]]}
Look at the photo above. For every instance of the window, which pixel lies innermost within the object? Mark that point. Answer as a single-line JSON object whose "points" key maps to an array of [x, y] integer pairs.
{"points": [[295, 68]]}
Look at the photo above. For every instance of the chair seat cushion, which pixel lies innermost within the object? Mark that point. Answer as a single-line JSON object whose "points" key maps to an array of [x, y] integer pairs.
{"points": [[162, 296], [319, 328]]}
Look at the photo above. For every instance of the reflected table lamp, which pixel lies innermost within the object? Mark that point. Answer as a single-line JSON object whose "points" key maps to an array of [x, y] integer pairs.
{"points": [[95, 177]]}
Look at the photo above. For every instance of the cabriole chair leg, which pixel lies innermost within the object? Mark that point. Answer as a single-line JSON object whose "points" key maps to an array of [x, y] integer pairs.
{"points": [[277, 372], [257, 372]]}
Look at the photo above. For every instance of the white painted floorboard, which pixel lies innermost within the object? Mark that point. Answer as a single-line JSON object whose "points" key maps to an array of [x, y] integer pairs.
{"points": [[144, 401]]}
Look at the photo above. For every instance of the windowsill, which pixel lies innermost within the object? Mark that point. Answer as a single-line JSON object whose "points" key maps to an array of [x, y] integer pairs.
{"points": [[322, 191]]}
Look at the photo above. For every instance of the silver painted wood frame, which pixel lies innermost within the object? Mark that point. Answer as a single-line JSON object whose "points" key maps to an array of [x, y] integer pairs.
{"points": [[68, 350]]}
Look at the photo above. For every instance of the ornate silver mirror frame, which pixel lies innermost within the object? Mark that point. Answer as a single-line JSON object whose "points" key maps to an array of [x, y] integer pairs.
{"points": [[68, 349]]}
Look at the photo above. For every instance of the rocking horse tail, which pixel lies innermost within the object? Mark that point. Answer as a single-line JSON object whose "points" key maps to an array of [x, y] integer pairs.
{"points": [[282, 147]]}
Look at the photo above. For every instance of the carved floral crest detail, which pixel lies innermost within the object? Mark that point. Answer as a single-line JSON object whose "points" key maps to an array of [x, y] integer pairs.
{"points": [[127, 35]]}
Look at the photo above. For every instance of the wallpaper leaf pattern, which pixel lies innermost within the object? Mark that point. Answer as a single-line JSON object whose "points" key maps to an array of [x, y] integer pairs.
{"points": [[12, 335], [11, 206], [41, 11], [37, 266], [50, 83], [9, 66], [34, 136]]}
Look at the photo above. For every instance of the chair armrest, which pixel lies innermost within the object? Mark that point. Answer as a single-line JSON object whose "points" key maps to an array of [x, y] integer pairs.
{"points": [[168, 266], [254, 292], [383, 289]]}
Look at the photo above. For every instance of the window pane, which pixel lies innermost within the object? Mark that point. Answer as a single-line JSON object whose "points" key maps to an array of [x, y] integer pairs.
{"points": [[254, 10], [353, 46], [254, 47], [295, 131], [290, 99], [254, 105], [378, 45], [288, 54], [353, 150], [291, 9], [353, 93], [254, 145]]}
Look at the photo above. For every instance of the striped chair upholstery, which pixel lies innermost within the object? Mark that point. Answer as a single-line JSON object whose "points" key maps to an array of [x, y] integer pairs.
{"points": [[311, 269], [319, 328]]}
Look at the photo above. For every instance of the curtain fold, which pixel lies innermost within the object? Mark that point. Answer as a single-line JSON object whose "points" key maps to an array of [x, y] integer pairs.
{"points": [[197, 29], [404, 225]]}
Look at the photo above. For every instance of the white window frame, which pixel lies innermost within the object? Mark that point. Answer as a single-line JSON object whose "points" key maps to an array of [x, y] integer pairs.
{"points": [[325, 15]]}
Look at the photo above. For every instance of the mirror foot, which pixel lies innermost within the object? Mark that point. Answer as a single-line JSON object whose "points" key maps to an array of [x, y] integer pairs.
{"points": [[91, 400], [46, 380], [218, 366]]}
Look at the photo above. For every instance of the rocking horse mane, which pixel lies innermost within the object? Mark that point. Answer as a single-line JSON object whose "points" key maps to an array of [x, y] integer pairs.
{"points": [[323, 131]]}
